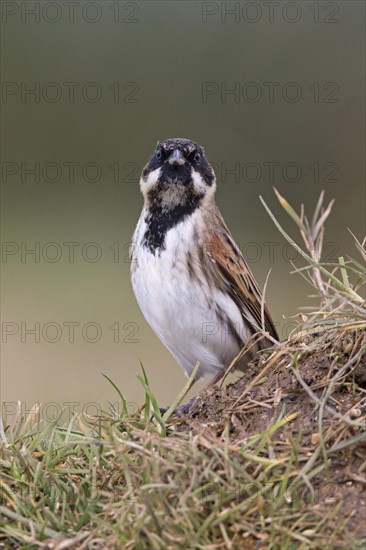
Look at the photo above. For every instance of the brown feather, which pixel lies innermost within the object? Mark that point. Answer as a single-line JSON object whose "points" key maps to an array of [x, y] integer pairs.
{"points": [[228, 262]]}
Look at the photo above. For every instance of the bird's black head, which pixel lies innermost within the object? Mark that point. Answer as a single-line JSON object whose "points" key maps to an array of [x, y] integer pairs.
{"points": [[178, 167], [176, 182]]}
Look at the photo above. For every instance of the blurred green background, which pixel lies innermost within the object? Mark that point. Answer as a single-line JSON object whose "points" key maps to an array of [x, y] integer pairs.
{"points": [[141, 72]]}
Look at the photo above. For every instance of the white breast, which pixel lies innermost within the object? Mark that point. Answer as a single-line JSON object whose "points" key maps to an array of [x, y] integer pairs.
{"points": [[183, 311]]}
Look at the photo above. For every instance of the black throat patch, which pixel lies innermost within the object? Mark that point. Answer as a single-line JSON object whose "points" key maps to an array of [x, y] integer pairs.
{"points": [[161, 218]]}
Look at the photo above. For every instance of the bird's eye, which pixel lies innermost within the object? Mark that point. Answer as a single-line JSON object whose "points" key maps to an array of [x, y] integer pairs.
{"points": [[159, 154], [197, 157]]}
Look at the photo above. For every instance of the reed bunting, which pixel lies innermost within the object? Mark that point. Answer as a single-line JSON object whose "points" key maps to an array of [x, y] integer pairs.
{"points": [[190, 279]]}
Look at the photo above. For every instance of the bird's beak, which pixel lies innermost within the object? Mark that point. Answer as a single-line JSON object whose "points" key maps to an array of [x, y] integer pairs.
{"points": [[176, 158]]}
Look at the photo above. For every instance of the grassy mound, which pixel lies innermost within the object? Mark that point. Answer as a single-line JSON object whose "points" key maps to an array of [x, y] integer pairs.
{"points": [[276, 460]]}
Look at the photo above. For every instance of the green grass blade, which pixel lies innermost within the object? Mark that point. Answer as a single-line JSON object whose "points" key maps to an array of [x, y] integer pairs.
{"points": [[182, 394]]}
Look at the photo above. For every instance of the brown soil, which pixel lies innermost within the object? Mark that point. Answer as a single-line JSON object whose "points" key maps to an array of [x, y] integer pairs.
{"points": [[250, 408]]}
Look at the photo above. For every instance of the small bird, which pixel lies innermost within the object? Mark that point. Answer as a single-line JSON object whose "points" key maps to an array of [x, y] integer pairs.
{"points": [[189, 277]]}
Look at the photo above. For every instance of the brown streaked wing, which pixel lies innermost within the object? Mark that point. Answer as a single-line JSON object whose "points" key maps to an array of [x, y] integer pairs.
{"points": [[235, 273]]}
